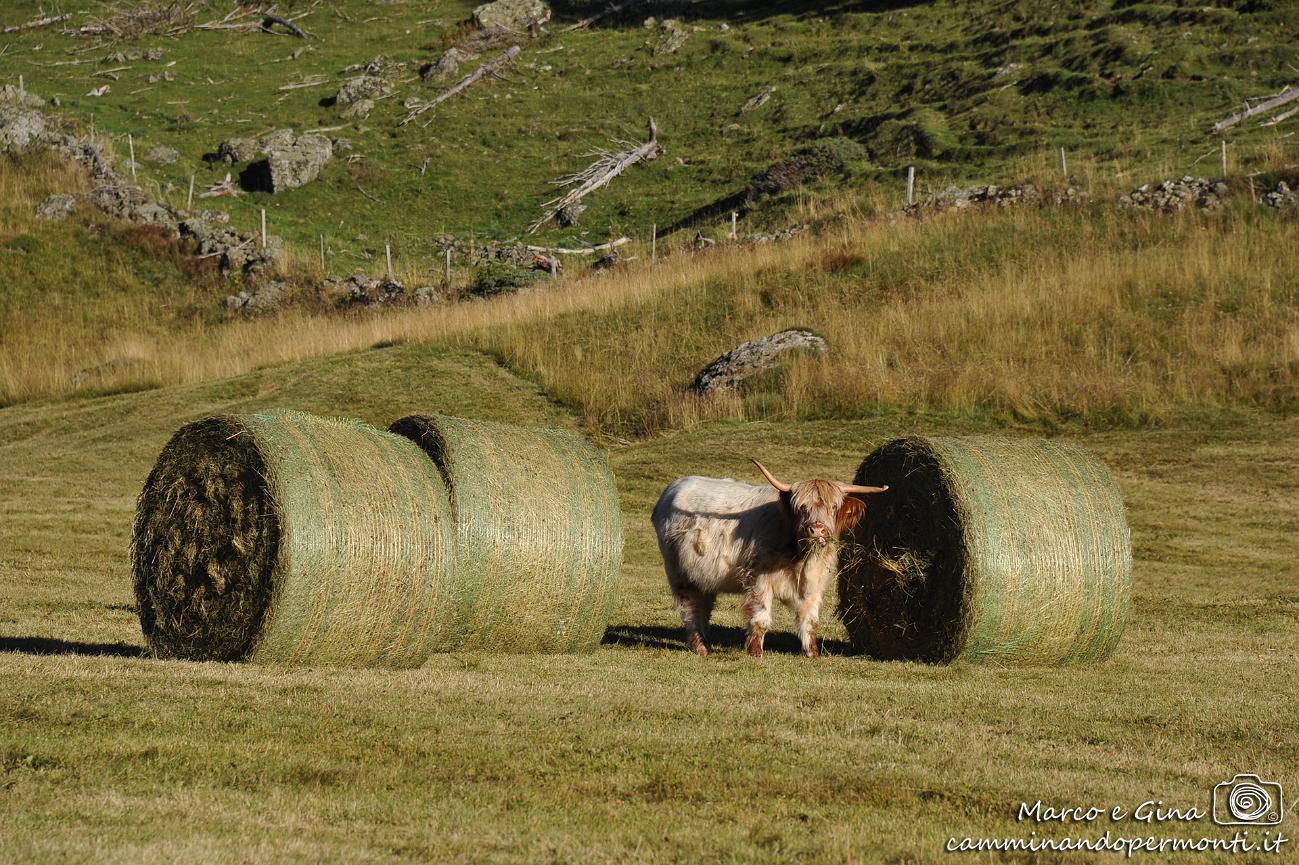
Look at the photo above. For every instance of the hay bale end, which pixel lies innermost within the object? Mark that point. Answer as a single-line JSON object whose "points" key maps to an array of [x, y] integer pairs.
{"points": [[986, 549], [282, 537]]}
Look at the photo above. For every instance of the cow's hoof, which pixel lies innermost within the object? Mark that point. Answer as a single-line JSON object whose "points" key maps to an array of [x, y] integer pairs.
{"points": [[753, 647], [698, 646], [813, 651]]}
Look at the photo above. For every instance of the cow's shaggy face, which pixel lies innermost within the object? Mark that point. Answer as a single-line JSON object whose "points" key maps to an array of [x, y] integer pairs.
{"points": [[820, 512]]}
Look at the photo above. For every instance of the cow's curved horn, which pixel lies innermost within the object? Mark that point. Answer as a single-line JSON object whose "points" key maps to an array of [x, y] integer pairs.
{"points": [[853, 488], [784, 488]]}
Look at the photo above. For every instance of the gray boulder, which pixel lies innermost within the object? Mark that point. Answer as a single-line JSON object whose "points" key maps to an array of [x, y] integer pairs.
{"points": [[361, 88], [748, 359], [57, 207], [260, 300], [671, 37], [358, 110], [278, 138], [300, 163], [1171, 196], [289, 165], [21, 128], [447, 66], [236, 150], [515, 15], [162, 155], [234, 253], [129, 203], [361, 290], [1282, 196], [992, 195]]}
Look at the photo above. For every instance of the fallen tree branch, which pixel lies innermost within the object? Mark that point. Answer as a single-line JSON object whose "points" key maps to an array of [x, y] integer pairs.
{"points": [[607, 166], [559, 250], [38, 22], [587, 22], [488, 68], [271, 20], [234, 20], [1275, 102], [1284, 115], [224, 188], [309, 81]]}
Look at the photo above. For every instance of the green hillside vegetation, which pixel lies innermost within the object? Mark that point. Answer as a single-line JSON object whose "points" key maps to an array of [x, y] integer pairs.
{"points": [[964, 91]]}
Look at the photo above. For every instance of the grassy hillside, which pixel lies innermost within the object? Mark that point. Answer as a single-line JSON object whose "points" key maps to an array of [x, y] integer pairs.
{"points": [[983, 90], [1089, 315], [640, 752]]}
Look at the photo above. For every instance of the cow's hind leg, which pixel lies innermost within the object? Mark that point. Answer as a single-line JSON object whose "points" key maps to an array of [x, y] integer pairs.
{"points": [[757, 616], [696, 608]]}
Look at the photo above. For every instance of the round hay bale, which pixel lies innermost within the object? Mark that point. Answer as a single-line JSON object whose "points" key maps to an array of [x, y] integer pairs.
{"points": [[538, 533], [282, 537], [1010, 551]]}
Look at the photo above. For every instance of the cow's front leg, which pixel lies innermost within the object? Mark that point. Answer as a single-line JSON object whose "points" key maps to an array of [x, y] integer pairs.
{"points": [[807, 614], [757, 616]]}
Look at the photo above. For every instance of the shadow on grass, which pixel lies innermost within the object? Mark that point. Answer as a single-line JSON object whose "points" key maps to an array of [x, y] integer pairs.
{"points": [[51, 646], [709, 212], [732, 10], [658, 637]]}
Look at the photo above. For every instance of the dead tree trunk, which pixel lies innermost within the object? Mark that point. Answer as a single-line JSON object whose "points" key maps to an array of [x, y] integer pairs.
{"points": [[586, 250], [1275, 102], [608, 166], [38, 22], [488, 68]]}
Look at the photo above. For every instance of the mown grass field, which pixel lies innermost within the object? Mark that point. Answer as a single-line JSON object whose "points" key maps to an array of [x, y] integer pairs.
{"points": [[639, 752]]}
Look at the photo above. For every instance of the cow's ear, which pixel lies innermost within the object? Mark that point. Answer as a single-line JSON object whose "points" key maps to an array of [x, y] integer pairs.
{"points": [[786, 501], [850, 513]]}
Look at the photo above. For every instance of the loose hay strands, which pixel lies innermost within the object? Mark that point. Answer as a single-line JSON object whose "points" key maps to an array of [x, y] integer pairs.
{"points": [[988, 550], [282, 537], [538, 533]]}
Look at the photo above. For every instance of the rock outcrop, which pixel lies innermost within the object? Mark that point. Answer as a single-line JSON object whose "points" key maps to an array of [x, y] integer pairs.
{"points": [[287, 162], [517, 15], [751, 358], [57, 207], [1282, 196], [1171, 196]]}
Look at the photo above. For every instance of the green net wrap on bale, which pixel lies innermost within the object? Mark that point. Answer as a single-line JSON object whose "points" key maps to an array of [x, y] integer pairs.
{"points": [[538, 533], [1010, 551], [282, 537]]}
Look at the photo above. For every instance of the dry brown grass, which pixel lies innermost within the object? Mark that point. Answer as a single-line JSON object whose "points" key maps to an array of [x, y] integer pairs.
{"points": [[1041, 314]]}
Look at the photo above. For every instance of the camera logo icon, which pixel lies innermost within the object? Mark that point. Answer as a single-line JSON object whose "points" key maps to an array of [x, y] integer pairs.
{"points": [[1248, 800]]}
